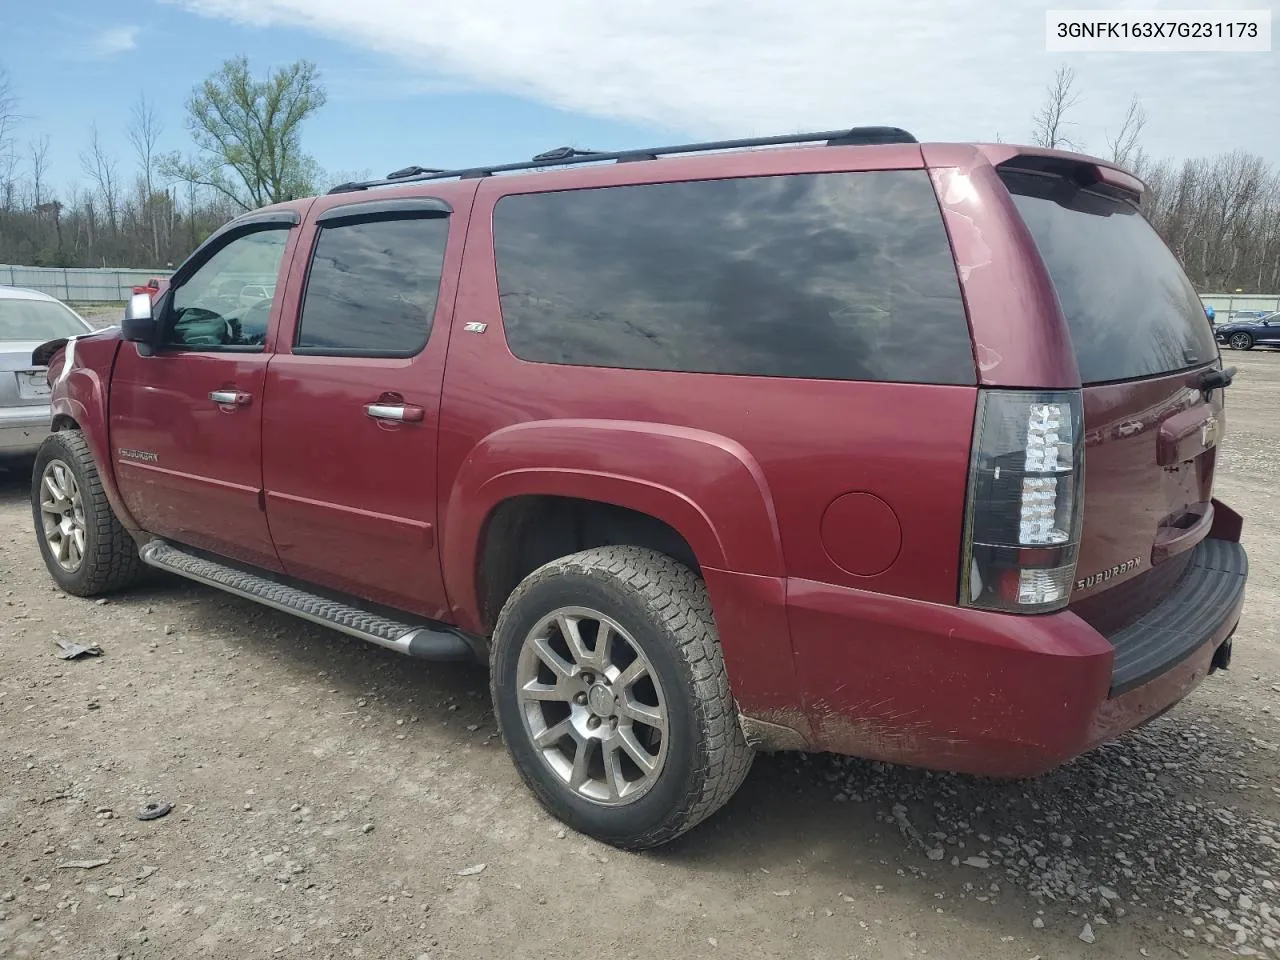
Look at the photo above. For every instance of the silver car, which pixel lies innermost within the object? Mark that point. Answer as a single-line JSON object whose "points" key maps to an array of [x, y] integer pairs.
{"points": [[28, 319]]}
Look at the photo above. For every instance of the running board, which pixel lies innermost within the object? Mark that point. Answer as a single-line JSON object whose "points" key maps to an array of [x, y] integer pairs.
{"points": [[425, 643]]}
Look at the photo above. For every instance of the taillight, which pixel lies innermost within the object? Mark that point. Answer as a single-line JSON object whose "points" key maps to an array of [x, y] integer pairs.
{"points": [[1026, 489]]}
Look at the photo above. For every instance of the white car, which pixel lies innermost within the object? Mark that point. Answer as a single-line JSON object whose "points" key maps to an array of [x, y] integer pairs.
{"points": [[28, 319]]}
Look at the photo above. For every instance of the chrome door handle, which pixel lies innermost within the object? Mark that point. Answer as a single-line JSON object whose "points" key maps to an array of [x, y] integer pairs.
{"points": [[395, 412], [230, 398]]}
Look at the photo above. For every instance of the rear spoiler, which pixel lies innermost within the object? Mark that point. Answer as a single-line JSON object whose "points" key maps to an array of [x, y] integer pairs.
{"points": [[1077, 167]]}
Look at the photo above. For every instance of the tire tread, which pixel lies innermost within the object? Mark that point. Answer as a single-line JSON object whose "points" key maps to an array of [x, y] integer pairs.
{"points": [[114, 563], [677, 600]]}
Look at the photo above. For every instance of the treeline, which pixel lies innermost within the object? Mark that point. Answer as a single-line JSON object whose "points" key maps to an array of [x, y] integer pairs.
{"points": [[1221, 216], [153, 209]]}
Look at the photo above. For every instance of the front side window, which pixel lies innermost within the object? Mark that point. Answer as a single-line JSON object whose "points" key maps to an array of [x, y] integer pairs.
{"points": [[372, 288], [843, 276], [226, 303]]}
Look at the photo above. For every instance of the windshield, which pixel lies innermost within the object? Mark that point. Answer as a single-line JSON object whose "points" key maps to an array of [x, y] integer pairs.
{"points": [[37, 320], [1130, 308]]}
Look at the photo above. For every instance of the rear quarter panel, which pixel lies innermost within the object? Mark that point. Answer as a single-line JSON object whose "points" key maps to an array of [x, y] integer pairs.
{"points": [[745, 468]]}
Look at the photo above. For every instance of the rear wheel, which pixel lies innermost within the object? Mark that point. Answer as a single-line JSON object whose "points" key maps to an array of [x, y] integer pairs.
{"points": [[84, 546], [611, 694], [1241, 341]]}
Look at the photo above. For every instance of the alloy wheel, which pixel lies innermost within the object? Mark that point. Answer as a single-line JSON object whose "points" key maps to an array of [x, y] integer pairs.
{"points": [[62, 515], [592, 706]]}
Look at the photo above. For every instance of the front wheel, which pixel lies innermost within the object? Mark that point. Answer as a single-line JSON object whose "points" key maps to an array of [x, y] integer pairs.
{"points": [[1241, 341], [611, 694], [84, 546]]}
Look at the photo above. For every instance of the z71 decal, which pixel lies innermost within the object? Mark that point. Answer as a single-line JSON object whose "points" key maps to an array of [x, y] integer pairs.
{"points": [[1104, 575]]}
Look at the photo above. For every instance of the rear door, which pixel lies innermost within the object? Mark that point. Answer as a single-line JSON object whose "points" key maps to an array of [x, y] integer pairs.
{"points": [[1143, 346], [353, 398]]}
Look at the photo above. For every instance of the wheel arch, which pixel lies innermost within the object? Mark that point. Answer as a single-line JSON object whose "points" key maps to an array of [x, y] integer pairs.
{"points": [[705, 487]]}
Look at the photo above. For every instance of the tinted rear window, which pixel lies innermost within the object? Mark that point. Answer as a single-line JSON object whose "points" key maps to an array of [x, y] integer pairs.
{"points": [[844, 276], [1130, 308]]}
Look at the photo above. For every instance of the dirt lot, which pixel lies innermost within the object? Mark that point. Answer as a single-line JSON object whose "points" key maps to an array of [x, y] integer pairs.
{"points": [[331, 799]]}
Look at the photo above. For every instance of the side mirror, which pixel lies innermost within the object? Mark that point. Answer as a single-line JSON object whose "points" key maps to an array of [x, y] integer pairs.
{"points": [[139, 324]]}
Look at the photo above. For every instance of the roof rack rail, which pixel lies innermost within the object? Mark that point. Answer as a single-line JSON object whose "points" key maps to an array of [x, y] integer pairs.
{"points": [[412, 172], [566, 156], [564, 153]]}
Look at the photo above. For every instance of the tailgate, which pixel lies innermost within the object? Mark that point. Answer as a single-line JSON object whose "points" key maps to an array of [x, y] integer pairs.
{"points": [[1143, 346]]}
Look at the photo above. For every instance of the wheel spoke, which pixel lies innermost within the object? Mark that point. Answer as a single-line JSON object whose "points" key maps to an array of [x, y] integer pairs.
{"points": [[637, 669], [613, 777], [643, 713], [573, 637], [77, 545], [55, 491], [604, 646], [554, 734], [581, 764], [556, 663], [646, 761], [534, 690], [63, 547], [64, 482]]}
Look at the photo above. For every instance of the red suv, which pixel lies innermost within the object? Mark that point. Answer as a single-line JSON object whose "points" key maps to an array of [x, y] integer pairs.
{"points": [[853, 443]]}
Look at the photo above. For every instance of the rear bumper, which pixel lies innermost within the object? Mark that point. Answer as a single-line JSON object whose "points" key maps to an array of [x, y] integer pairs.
{"points": [[944, 687], [23, 429]]}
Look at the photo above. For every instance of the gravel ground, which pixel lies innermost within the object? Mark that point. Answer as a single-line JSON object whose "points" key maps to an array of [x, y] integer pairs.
{"points": [[333, 800]]}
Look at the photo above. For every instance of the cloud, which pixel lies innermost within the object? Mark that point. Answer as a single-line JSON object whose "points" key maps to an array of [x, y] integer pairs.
{"points": [[943, 69], [114, 41]]}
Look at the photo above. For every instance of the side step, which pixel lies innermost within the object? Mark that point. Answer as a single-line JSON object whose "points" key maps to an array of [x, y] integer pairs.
{"points": [[425, 643]]}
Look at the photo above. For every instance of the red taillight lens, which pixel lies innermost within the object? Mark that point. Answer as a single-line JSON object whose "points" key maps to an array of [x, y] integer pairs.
{"points": [[1026, 487]]}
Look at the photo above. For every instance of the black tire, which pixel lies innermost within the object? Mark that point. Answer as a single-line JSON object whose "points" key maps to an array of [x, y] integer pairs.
{"points": [[664, 607], [110, 560], [1240, 341]]}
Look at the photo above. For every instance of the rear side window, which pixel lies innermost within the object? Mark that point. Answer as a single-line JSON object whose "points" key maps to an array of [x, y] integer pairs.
{"points": [[372, 287], [844, 276], [1131, 310]]}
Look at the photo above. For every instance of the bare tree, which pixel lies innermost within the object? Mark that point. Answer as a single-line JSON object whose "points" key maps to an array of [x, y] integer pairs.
{"points": [[102, 170], [39, 170], [1051, 123], [8, 152], [1124, 147], [144, 132]]}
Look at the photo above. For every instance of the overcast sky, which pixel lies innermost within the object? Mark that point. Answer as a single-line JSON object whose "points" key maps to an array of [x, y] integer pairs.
{"points": [[469, 81]]}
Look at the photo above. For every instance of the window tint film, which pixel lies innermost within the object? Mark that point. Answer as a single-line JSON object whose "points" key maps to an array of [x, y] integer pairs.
{"points": [[845, 276], [1131, 310], [372, 287], [227, 301]]}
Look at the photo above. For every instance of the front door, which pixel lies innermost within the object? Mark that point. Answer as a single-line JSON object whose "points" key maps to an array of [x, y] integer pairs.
{"points": [[353, 397], [186, 421]]}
